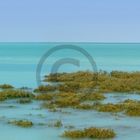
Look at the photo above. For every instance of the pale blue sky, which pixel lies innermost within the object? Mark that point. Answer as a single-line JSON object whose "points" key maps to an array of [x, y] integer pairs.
{"points": [[70, 20]]}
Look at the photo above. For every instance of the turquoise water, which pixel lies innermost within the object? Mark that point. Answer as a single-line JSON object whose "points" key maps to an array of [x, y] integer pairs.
{"points": [[18, 61], [127, 128]]}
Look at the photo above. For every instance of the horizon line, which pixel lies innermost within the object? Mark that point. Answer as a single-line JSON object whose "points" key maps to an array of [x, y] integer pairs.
{"points": [[70, 42]]}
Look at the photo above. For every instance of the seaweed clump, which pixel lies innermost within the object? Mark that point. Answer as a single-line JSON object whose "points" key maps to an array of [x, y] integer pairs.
{"points": [[22, 123], [110, 108], [99, 133], [132, 107], [11, 94], [115, 81], [69, 99], [43, 96], [6, 86], [44, 89]]}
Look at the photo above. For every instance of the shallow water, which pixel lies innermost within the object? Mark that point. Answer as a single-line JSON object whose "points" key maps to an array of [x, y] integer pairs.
{"points": [[127, 128], [120, 97], [18, 63]]}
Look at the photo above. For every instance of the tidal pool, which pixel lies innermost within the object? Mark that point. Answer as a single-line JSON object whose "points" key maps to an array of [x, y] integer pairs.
{"points": [[120, 97], [127, 128]]}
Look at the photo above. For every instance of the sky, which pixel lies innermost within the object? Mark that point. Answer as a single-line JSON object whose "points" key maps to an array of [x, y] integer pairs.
{"points": [[69, 21]]}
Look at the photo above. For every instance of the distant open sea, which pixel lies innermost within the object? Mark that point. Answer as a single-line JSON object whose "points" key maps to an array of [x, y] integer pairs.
{"points": [[18, 61]]}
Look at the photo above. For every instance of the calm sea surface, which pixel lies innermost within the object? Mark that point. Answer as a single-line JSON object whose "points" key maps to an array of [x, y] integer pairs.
{"points": [[18, 61]]}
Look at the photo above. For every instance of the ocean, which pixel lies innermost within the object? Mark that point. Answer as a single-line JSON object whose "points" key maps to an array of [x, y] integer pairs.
{"points": [[19, 61], [18, 66]]}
